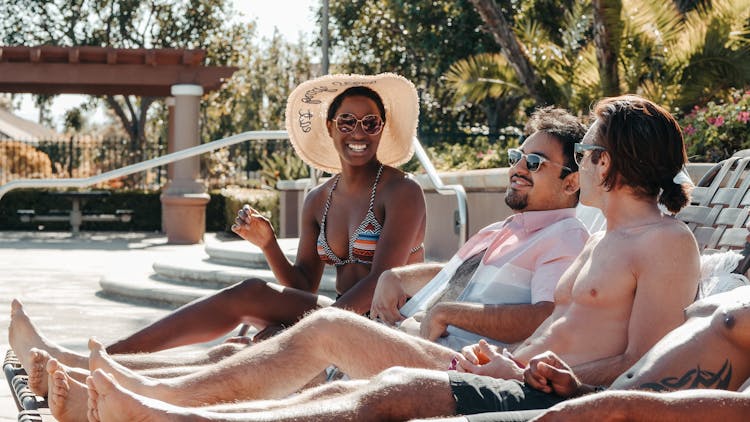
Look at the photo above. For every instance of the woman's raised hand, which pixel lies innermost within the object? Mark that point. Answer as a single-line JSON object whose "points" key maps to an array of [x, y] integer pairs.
{"points": [[252, 226], [389, 296]]}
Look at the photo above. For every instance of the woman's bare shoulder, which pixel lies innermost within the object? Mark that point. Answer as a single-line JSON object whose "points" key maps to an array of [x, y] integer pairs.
{"points": [[399, 182], [317, 196]]}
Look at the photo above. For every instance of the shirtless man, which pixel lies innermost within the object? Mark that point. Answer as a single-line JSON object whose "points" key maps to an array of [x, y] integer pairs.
{"points": [[524, 258], [708, 352], [626, 290]]}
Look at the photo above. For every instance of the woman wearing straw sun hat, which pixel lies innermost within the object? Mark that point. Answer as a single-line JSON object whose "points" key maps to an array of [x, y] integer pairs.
{"points": [[367, 218]]}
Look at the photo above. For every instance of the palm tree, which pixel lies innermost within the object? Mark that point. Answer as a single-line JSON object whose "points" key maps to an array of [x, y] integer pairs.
{"points": [[488, 81], [650, 48]]}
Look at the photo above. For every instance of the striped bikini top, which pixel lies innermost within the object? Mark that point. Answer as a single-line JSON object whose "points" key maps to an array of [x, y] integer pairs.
{"points": [[363, 241]]}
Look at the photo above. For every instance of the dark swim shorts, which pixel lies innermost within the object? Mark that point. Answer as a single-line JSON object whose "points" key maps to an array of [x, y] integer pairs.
{"points": [[478, 394]]}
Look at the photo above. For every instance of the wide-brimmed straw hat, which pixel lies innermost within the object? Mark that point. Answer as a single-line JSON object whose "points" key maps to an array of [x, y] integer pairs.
{"points": [[307, 109]]}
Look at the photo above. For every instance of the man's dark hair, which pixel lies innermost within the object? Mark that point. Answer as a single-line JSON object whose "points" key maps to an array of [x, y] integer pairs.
{"points": [[645, 146], [561, 125], [356, 91]]}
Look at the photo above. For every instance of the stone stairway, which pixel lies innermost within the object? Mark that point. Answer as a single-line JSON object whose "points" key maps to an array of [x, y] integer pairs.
{"points": [[182, 278]]}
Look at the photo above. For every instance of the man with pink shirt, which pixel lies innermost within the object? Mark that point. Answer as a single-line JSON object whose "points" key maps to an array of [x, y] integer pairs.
{"points": [[509, 270]]}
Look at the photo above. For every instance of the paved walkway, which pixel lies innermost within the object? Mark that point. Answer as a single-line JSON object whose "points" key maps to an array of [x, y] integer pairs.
{"points": [[56, 276]]}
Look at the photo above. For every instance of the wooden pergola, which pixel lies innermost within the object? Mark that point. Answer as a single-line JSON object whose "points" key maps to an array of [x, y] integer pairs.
{"points": [[105, 71], [178, 73]]}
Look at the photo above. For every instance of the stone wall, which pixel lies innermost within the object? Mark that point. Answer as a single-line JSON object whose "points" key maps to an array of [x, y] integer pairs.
{"points": [[485, 191]]}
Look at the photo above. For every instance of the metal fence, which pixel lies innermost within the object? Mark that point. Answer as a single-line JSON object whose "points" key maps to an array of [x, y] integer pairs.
{"points": [[86, 156]]}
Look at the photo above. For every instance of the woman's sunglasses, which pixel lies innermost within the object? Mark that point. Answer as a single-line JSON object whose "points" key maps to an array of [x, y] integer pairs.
{"points": [[347, 123], [579, 151], [533, 161]]}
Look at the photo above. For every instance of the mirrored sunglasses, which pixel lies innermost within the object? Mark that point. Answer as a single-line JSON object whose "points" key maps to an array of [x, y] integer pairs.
{"points": [[579, 151], [347, 123], [533, 161]]}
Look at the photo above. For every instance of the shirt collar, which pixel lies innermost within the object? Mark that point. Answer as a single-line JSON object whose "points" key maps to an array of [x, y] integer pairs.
{"points": [[531, 221]]}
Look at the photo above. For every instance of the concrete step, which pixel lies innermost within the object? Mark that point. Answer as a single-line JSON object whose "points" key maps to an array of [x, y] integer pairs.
{"points": [[208, 274], [241, 253], [150, 290], [156, 290], [179, 279]]}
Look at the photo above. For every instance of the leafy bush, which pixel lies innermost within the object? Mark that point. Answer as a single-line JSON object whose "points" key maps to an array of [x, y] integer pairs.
{"points": [[283, 164], [718, 130], [146, 207], [19, 158], [265, 201], [477, 153]]}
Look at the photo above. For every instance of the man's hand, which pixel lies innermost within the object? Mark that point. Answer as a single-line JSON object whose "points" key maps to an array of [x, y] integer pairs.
{"points": [[434, 324], [484, 359], [548, 373], [389, 296], [252, 226]]}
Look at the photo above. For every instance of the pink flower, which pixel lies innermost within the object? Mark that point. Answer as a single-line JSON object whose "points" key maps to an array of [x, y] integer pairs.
{"points": [[711, 120], [719, 121], [689, 130], [743, 116]]}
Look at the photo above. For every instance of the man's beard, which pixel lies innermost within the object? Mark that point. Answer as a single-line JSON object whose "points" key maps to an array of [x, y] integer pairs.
{"points": [[515, 200]]}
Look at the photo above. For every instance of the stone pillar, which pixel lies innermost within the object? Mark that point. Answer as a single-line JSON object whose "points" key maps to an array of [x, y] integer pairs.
{"points": [[184, 199], [170, 135]]}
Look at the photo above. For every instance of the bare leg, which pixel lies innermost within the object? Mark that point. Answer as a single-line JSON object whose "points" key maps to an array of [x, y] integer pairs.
{"points": [[255, 301], [397, 394], [316, 394], [67, 397], [109, 402], [23, 336], [281, 365], [146, 361]]}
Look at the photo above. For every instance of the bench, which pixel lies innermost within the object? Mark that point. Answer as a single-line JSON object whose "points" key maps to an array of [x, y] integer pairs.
{"points": [[75, 216]]}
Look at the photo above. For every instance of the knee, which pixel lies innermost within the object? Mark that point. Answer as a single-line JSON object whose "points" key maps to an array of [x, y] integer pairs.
{"points": [[224, 350], [387, 390], [394, 377], [246, 289], [328, 318]]}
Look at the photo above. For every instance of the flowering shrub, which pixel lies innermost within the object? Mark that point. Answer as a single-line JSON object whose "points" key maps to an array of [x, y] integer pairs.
{"points": [[718, 130]]}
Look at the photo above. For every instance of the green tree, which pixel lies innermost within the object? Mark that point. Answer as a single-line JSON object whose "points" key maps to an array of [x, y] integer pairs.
{"points": [[418, 39], [676, 53], [490, 82]]}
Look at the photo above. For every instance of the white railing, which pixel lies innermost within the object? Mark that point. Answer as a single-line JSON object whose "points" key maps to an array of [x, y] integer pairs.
{"points": [[461, 215]]}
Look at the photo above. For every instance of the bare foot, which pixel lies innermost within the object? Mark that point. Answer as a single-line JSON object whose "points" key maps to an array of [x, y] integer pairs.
{"points": [[67, 397], [37, 371], [99, 359], [23, 336], [110, 402]]}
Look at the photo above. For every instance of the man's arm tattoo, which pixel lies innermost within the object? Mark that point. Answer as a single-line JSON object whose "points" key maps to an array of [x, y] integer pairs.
{"points": [[694, 378]]}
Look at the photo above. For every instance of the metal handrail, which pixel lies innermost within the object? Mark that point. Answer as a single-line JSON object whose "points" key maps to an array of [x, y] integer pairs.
{"points": [[460, 217], [460, 222], [144, 165]]}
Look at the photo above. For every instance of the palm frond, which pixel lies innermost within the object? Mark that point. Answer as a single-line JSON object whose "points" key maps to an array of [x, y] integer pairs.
{"points": [[660, 21], [482, 76]]}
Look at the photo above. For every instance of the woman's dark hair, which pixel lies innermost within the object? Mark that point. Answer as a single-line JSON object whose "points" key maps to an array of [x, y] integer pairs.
{"points": [[356, 91], [561, 125], [645, 146]]}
